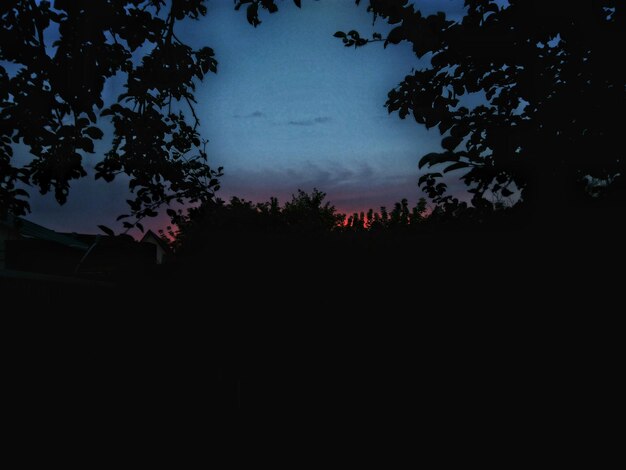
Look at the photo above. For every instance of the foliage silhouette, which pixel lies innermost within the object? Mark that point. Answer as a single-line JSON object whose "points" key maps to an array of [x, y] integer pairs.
{"points": [[252, 8], [306, 214], [51, 104], [546, 129], [309, 232], [307, 223]]}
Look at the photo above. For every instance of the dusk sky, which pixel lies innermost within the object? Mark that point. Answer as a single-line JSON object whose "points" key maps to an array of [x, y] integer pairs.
{"points": [[289, 108]]}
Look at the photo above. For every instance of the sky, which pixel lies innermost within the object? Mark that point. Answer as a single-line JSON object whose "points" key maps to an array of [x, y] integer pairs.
{"points": [[290, 108]]}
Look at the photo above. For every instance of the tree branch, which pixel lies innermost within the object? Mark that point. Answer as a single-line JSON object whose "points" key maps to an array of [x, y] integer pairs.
{"points": [[193, 112]]}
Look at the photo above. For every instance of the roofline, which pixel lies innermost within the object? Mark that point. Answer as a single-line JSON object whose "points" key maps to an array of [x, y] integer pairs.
{"points": [[161, 243], [30, 229]]}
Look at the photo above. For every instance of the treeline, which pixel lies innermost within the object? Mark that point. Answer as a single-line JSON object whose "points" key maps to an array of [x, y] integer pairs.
{"points": [[311, 214], [298, 295]]}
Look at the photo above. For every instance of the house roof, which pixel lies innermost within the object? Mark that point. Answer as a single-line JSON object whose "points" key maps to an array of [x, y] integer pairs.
{"points": [[150, 234], [29, 229], [87, 238]]}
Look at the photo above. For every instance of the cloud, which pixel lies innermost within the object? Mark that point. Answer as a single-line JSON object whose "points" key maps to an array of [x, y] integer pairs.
{"points": [[353, 187], [253, 115], [310, 122], [350, 186]]}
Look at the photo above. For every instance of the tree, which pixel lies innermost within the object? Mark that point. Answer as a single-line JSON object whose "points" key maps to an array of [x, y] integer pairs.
{"points": [[51, 98], [304, 214], [309, 212], [546, 127]]}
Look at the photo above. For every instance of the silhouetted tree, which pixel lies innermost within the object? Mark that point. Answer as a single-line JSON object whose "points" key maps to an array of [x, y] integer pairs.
{"points": [[55, 61], [309, 212], [305, 214], [550, 92]]}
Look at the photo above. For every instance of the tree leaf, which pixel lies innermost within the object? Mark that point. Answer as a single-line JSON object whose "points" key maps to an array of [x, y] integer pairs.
{"points": [[94, 132], [455, 166], [427, 159], [107, 230], [395, 35], [252, 14], [451, 142]]}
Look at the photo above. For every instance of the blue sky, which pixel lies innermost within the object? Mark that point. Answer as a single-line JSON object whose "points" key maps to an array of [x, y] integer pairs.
{"points": [[289, 108]]}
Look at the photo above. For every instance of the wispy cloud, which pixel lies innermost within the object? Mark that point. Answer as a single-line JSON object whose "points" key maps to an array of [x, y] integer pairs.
{"points": [[350, 187], [310, 122], [253, 115]]}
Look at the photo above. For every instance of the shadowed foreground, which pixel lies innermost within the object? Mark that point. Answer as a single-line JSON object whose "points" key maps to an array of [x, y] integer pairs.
{"points": [[374, 335]]}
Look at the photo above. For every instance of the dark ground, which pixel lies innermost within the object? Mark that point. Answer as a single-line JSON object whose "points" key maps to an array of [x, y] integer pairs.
{"points": [[381, 341]]}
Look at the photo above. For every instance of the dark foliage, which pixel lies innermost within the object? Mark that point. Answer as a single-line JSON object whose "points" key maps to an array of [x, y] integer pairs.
{"points": [[53, 101], [309, 230], [547, 128], [253, 6], [319, 311], [305, 215]]}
